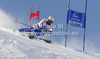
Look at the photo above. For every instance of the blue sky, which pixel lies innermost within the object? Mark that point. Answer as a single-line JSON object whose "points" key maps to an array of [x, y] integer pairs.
{"points": [[20, 9]]}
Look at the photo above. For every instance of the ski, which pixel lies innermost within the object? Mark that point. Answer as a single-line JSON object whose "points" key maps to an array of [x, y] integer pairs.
{"points": [[32, 37]]}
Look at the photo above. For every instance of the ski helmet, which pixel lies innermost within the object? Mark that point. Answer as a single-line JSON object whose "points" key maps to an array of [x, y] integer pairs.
{"points": [[50, 18]]}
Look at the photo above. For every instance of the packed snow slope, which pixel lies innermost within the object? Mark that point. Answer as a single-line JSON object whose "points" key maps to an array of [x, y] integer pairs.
{"points": [[14, 46]]}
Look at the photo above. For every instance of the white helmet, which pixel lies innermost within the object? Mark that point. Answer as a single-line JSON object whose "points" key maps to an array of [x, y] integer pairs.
{"points": [[51, 18]]}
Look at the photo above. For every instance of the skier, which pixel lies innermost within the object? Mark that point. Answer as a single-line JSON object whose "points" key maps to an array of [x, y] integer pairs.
{"points": [[44, 25]]}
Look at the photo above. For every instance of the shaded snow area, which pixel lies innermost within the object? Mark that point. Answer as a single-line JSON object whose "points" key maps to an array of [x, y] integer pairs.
{"points": [[14, 46]]}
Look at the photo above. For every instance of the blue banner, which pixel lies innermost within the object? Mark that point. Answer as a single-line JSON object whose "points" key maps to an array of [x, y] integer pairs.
{"points": [[76, 18]]}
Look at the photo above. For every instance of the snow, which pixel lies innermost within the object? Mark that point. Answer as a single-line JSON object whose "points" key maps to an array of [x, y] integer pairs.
{"points": [[15, 46]]}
